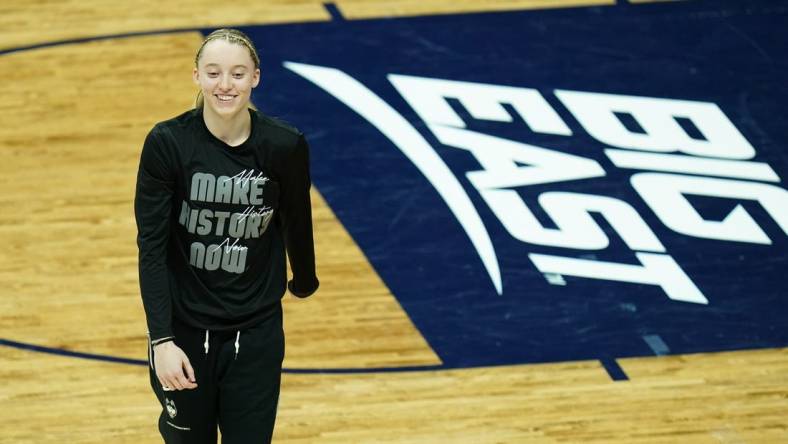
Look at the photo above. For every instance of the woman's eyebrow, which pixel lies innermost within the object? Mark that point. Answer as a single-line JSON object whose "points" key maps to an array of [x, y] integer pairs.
{"points": [[217, 65]]}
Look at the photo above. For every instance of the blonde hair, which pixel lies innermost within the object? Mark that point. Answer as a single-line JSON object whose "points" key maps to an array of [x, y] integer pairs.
{"points": [[232, 36]]}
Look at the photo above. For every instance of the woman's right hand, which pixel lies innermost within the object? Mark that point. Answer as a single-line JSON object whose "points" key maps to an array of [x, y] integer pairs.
{"points": [[172, 367]]}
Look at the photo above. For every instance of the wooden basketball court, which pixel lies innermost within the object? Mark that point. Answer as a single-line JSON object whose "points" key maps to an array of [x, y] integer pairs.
{"points": [[74, 113]]}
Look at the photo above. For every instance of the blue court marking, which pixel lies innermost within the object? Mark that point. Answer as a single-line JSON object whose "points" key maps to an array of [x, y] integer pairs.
{"points": [[119, 360], [93, 38], [73, 354], [118, 36], [614, 370], [332, 9]]}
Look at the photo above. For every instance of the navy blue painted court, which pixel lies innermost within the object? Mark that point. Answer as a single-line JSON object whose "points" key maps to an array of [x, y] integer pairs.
{"points": [[728, 53]]}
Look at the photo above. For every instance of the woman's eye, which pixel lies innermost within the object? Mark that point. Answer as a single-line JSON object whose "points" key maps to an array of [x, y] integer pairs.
{"points": [[213, 74], [238, 75]]}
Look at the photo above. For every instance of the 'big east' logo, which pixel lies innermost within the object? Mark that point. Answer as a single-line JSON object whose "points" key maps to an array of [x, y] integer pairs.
{"points": [[531, 199]]}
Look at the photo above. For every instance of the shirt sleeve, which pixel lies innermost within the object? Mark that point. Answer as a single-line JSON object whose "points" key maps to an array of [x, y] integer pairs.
{"points": [[152, 203], [296, 214]]}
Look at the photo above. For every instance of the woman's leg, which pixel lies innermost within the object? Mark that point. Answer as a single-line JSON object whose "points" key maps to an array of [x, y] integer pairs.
{"points": [[188, 416], [249, 388]]}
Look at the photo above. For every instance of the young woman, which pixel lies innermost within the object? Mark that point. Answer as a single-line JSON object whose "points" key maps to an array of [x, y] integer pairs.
{"points": [[222, 192]]}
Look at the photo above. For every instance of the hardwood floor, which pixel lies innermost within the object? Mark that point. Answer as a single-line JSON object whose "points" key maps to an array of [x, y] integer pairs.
{"points": [[73, 120]]}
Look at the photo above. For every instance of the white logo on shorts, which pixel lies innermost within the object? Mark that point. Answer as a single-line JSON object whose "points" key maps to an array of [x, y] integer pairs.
{"points": [[171, 410]]}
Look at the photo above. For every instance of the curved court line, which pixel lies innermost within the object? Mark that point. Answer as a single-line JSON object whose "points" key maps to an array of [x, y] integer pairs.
{"points": [[404, 136], [142, 362], [145, 33], [74, 354], [98, 37], [608, 364]]}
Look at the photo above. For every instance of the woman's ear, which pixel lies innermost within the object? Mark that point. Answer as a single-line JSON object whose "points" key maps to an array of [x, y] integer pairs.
{"points": [[196, 76], [256, 78]]}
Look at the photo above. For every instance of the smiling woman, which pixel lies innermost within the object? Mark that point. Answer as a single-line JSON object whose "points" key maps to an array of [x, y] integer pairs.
{"points": [[201, 275]]}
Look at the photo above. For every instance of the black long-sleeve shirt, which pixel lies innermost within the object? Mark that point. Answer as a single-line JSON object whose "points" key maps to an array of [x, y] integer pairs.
{"points": [[214, 221]]}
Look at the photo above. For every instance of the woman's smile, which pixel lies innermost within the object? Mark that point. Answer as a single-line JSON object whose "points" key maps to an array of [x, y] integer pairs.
{"points": [[225, 98]]}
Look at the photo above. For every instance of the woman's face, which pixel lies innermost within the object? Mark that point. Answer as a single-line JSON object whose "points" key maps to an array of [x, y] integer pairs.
{"points": [[226, 74]]}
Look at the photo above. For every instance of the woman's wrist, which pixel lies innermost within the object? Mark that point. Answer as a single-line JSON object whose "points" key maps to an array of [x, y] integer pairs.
{"points": [[162, 341]]}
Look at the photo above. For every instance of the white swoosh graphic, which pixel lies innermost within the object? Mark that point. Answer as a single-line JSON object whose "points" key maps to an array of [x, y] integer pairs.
{"points": [[389, 122]]}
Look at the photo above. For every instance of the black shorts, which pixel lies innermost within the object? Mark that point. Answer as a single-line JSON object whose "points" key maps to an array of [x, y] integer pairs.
{"points": [[238, 392]]}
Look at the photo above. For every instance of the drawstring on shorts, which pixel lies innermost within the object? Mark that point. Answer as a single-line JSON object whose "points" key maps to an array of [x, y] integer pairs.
{"points": [[237, 342]]}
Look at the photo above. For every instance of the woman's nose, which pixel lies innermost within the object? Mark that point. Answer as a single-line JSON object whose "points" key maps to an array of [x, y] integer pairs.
{"points": [[225, 83]]}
